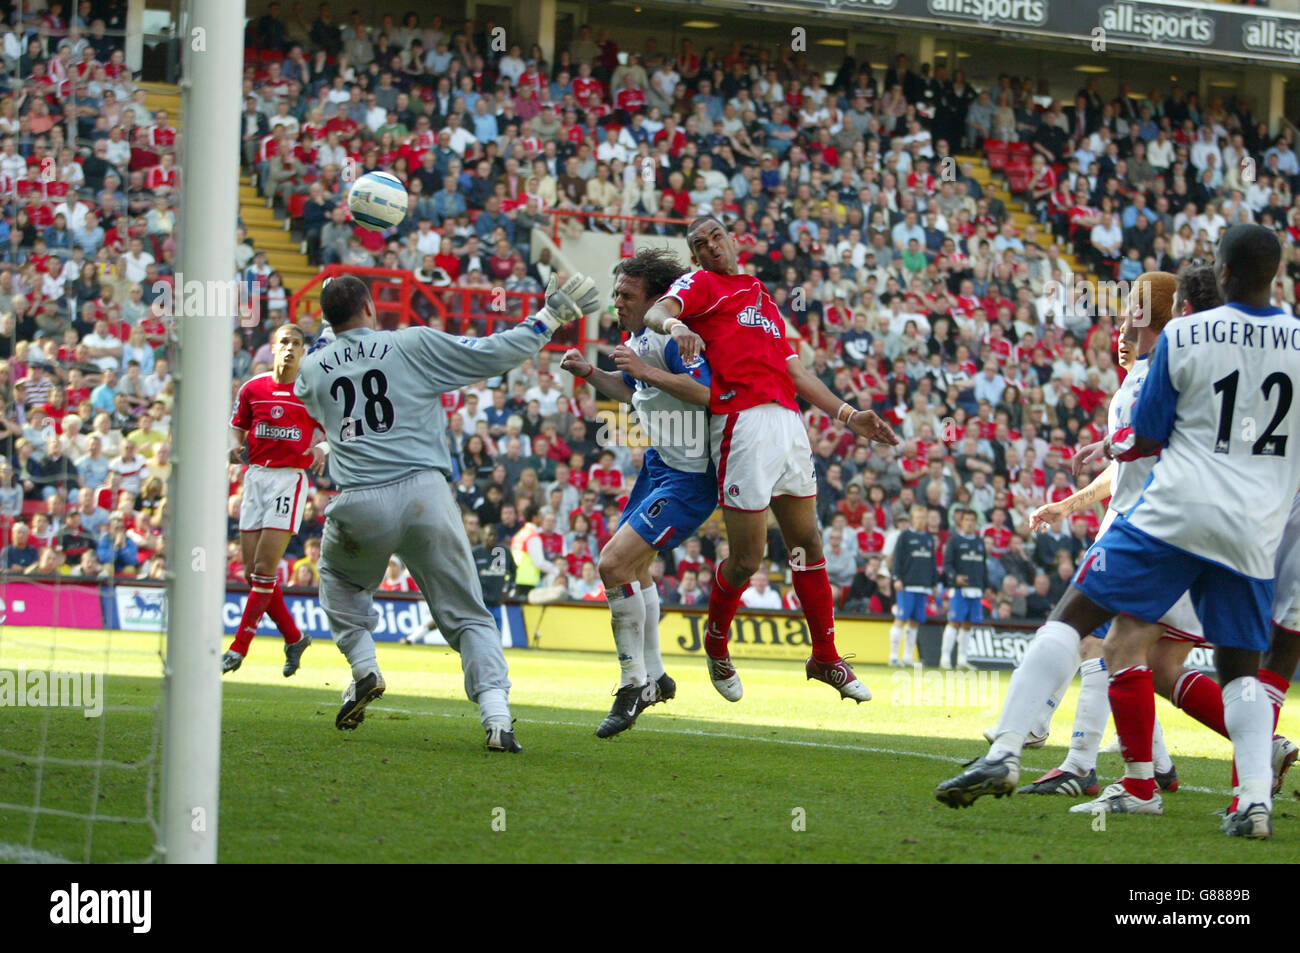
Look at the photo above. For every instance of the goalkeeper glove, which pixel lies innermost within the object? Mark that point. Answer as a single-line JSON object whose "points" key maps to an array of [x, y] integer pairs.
{"points": [[578, 296]]}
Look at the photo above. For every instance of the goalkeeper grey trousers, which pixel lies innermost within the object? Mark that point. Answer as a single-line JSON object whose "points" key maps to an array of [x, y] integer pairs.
{"points": [[415, 517]]}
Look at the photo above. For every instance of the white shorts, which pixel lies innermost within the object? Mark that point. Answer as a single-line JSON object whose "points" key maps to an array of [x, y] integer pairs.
{"points": [[761, 452], [1286, 569], [273, 499], [1181, 622]]}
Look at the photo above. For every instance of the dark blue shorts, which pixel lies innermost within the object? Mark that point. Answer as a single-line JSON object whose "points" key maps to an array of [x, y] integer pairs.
{"points": [[667, 505], [1131, 572]]}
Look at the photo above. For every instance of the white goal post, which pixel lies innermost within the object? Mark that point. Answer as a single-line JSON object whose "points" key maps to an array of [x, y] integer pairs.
{"points": [[213, 52]]}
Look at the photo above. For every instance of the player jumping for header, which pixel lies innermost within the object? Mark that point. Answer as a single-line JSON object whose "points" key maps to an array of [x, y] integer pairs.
{"points": [[378, 395], [759, 444]]}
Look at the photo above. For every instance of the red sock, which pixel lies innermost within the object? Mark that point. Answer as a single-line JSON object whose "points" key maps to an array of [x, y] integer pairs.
{"points": [[723, 602], [1200, 696], [1133, 703], [282, 617], [1276, 686], [813, 587], [259, 598]]}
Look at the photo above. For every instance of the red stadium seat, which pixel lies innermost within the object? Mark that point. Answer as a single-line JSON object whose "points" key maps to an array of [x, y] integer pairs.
{"points": [[1018, 177], [296, 205], [1018, 150], [996, 152]]}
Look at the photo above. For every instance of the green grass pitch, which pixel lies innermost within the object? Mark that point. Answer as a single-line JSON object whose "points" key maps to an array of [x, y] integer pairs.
{"points": [[790, 774]]}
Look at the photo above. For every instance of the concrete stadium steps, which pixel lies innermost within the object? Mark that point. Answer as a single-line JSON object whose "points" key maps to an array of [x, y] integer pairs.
{"points": [[268, 234], [165, 96], [265, 230], [1018, 210]]}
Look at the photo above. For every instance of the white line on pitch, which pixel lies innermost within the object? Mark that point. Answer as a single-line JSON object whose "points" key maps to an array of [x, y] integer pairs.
{"points": [[17, 854]]}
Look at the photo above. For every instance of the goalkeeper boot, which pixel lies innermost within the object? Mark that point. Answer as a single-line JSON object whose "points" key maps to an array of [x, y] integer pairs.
{"points": [[982, 776], [629, 701], [358, 695], [231, 661], [502, 738], [293, 654], [667, 689], [839, 675]]}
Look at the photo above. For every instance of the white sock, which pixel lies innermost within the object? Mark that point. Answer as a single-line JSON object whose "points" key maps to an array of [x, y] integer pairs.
{"points": [[627, 611], [1248, 715], [963, 645], [1043, 724], [895, 639], [654, 663], [1048, 661], [494, 707], [1160, 754], [909, 654], [1090, 717], [949, 640]]}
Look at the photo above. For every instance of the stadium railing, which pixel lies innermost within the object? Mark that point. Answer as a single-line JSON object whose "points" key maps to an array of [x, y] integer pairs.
{"points": [[402, 301]]}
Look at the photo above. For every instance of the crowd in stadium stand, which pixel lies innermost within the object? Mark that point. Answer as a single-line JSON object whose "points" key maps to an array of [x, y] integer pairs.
{"points": [[87, 172], [908, 286]]}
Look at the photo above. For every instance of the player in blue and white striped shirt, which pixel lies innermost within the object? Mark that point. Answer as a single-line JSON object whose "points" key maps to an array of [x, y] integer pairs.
{"points": [[676, 490]]}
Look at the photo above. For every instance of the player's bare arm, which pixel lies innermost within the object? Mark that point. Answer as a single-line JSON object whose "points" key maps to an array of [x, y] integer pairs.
{"points": [[1094, 492], [609, 383], [682, 386], [864, 423], [663, 318], [238, 452]]}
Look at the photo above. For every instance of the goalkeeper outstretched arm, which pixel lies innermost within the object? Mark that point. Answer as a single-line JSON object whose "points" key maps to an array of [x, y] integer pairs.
{"points": [[453, 362]]}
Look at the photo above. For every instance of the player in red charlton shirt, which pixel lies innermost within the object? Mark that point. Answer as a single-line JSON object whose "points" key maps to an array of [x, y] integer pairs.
{"points": [[272, 432], [760, 445]]}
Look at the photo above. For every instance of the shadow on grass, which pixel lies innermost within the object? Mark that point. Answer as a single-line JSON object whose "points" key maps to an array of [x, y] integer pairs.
{"points": [[414, 784]]}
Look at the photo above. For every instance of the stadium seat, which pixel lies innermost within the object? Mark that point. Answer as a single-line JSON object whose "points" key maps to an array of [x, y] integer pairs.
{"points": [[297, 203], [1017, 177], [996, 152]]}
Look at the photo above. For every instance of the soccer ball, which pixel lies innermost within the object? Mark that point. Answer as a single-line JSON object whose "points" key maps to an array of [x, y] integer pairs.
{"points": [[378, 201]]}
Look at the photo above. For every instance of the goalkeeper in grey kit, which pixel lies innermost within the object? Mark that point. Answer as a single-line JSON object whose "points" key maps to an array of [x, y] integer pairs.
{"points": [[378, 396]]}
